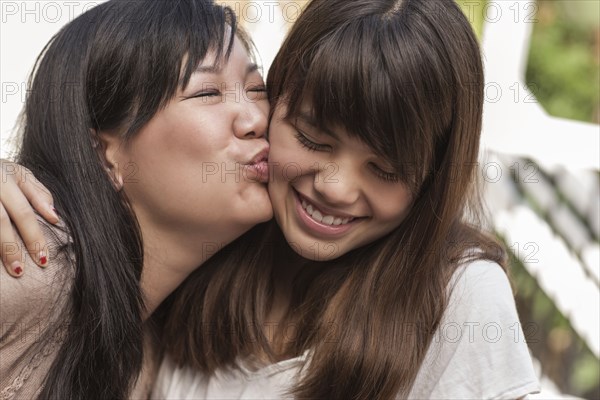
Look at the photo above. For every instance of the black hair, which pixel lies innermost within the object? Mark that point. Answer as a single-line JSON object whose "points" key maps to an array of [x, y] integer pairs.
{"points": [[111, 68]]}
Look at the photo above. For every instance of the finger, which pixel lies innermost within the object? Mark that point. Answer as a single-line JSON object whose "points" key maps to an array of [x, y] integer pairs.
{"points": [[20, 212], [37, 194], [10, 249]]}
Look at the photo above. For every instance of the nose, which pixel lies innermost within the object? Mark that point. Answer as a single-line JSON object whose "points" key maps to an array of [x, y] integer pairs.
{"points": [[251, 120], [336, 185]]}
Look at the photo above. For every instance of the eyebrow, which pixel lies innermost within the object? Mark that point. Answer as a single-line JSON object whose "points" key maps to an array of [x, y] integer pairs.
{"points": [[212, 69], [311, 121]]}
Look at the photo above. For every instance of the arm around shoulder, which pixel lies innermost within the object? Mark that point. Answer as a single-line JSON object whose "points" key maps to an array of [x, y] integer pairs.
{"points": [[32, 309]]}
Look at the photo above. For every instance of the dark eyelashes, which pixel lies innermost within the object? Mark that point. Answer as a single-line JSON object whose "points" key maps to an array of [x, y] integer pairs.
{"points": [[312, 146], [212, 93], [258, 89], [384, 175], [215, 92], [388, 176], [309, 144]]}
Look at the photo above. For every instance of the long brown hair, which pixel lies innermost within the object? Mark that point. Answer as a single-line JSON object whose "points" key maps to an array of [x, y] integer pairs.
{"points": [[406, 78]]}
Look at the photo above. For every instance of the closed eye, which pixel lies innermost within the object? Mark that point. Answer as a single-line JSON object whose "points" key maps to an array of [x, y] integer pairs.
{"points": [[385, 176], [208, 93], [257, 89], [256, 93], [309, 144]]}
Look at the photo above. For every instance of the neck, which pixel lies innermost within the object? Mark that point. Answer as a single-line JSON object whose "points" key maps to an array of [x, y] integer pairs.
{"points": [[171, 255]]}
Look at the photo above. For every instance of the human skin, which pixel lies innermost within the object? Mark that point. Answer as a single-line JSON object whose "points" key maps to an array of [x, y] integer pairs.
{"points": [[194, 174], [199, 190], [338, 176], [174, 192]]}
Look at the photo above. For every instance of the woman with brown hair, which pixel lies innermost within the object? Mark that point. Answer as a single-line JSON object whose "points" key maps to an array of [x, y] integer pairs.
{"points": [[385, 285], [377, 281]]}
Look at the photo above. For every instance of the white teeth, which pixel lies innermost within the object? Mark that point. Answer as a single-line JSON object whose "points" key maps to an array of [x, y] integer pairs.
{"points": [[317, 216], [325, 219]]}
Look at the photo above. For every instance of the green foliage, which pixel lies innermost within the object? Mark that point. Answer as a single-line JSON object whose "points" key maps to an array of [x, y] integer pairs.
{"points": [[563, 68], [585, 374]]}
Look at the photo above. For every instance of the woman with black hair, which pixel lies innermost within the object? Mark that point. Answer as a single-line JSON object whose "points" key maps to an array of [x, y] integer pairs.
{"points": [[146, 120], [376, 280]]}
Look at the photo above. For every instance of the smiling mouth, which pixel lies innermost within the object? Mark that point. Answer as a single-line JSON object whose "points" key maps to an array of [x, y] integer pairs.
{"points": [[321, 223], [326, 219]]}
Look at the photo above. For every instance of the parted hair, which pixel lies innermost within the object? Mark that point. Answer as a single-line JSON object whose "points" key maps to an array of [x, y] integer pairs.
{"points": [[406, 78]]}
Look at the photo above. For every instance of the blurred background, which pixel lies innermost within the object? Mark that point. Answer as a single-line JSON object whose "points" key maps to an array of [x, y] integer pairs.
{"points": [[540, 155], [541, 170]]}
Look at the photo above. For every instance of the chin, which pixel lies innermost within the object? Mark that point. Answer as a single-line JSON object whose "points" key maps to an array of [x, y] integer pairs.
{"points": [[267, 216], [317, 250], [261, 215], [265, 210], [257, 208]]}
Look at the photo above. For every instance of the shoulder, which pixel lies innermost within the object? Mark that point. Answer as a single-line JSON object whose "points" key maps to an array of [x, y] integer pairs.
{"points": [[33, 298], [482, 306], [478, 285], [478, 350], [33, 313]]}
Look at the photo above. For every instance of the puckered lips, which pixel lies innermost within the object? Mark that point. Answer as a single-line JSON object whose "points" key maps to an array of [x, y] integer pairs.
{"points": [[257, 168]]}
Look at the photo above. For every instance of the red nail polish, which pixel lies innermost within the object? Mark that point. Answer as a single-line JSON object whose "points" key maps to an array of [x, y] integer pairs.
{"points": [[43, 260], [16, 267]]}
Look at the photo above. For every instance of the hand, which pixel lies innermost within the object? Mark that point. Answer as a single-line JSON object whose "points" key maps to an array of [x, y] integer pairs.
{"points": [[18, 189]]}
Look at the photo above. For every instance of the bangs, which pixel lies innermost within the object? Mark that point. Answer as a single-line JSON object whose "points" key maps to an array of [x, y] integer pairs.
{"points": [[370, 79], [198, 28], [154, 47], [221, 30]]}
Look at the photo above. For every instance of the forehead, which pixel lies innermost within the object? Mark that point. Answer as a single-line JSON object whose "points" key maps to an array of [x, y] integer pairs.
{"points": [[238, 60]]}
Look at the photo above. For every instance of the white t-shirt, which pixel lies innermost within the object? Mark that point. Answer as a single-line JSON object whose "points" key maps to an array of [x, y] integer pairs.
{"points": [[478, 352]]}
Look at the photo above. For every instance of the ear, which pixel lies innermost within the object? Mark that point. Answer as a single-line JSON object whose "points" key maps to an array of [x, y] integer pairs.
{"points": [[107, 146]]}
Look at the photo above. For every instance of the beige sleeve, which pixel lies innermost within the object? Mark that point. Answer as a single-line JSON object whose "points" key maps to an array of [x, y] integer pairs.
{"points": [[33, 315]]}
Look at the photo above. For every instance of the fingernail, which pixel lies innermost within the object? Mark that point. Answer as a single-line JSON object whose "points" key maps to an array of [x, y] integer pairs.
{"points": [[42, 257], [55, 211], [16, 267]]}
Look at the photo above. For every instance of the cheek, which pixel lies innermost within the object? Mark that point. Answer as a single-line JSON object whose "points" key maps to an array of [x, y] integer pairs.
{"points": [[283, 161], [175, 150], [186, 134], [392, 206], [288, 161], [264, 107], [278, 133]]}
